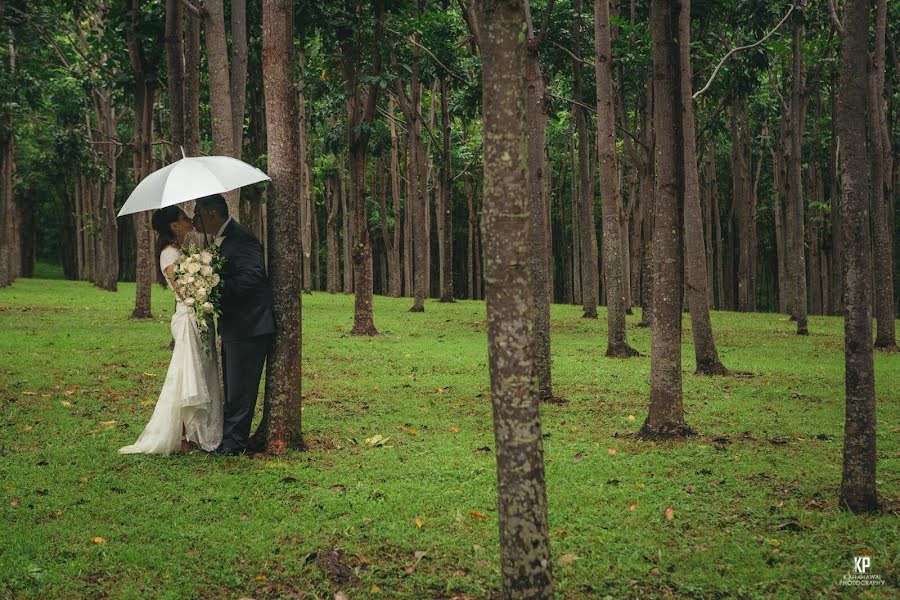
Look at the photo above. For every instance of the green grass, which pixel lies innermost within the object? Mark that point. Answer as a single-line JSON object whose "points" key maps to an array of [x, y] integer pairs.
{"points": [[754, 494]]}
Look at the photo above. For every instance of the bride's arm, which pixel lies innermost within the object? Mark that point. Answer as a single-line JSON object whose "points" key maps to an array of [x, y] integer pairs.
{"points": [[170, 275]]}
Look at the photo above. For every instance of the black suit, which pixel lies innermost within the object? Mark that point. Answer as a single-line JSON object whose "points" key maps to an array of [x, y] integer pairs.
{"points": [[246, 325]]}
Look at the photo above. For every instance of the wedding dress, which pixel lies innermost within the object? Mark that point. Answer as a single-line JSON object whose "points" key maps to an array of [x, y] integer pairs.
{"points": [[190, 403]]}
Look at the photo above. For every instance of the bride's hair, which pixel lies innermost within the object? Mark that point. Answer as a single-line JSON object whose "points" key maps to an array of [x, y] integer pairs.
{"points": [[162, 221]]}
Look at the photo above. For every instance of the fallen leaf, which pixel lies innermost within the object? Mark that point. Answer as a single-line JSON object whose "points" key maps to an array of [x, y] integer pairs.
{"points": [[567, 559], [98, 540], [261, 577], [70, 392], [341, 596], [561, 533], [15, 502], [26, 429], [29, 393], [631, 417], [419, 523], [146, 374], [374, 589], [376, 441], [107, 422], [66, 403], [632, 507], [454, 429], [408, 430], [655, 572], [611, 451], [479, 516], [670, 513], [578, 457], [146, 402]]}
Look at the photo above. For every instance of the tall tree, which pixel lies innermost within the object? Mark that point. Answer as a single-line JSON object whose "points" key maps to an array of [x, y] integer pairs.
{"points": [[522, 497], [360, 112], [611, 200], [446, 199], [538, 175], [882, 202], [281, 427], [220, 89], [587, 232], [858, 482], [666, 415], [708, 362], [142, 152]]}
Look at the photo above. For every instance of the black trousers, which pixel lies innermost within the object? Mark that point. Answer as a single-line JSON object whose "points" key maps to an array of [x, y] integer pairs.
{"points": [[242, 365]]}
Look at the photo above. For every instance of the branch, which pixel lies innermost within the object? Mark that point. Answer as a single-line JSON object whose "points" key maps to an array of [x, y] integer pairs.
{"points": [[471, 162], [413, 41], [569, 52], [594, 109], [545, 25], [832, 10], [198, 12], [747, 47]]}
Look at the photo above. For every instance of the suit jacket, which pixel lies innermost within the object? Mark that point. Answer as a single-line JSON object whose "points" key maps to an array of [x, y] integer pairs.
{"points": [[247, 309]]}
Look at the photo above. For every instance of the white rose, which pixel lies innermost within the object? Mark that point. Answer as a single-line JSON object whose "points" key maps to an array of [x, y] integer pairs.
{"points": [[206, 271], [206, 257], [193, 267], [214, 280], [189, 280], [201, 293], [207, 308], [189, 302]]}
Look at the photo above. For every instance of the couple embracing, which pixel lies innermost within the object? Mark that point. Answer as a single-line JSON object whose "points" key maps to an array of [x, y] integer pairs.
{"points": [[190, 411]]}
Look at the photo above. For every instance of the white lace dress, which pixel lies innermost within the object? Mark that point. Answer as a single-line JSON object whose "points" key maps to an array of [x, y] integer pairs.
{"points": [[190, 403]]}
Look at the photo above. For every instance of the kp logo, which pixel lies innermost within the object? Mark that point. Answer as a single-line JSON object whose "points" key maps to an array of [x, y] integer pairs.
{"points": [[861, 564]]}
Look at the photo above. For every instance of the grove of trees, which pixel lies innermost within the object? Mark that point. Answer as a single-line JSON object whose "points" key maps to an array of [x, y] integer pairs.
{"points": [[636, 154]]}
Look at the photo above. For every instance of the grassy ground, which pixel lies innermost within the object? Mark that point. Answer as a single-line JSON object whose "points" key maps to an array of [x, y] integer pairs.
{"points": [[753, 496]]}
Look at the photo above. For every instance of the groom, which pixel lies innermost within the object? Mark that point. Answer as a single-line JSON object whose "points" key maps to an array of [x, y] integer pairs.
{"points": [[247, 322]]}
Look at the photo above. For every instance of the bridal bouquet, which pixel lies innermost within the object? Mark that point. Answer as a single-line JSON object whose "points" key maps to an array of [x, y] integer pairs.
{"points": [[198, 285]]}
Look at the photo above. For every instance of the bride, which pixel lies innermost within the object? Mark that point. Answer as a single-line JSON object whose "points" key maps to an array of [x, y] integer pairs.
{"points": [[189, 408]]}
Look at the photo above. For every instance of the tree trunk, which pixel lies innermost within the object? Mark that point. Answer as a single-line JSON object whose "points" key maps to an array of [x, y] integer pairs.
{"points": [[360, 116], [175, 70], [109, 269], [858, 482], [588, 233], [281, 425], [795, 187], [522, 498], [446, 215], [617, 341], [142, 155], [220, 99], [305, 203], [332, 257], [393, 245], [191, 87], [882, 202], [238, 79], [347, 229], [470, 255], [666, 415], [708, 362]]}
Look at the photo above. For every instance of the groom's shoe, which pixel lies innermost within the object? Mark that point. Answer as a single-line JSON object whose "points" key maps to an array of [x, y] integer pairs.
{"points": [[228, 450]]}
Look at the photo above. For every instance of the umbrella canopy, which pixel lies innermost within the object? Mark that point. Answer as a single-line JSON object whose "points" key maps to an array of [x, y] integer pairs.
{"points": [[189, 179]]}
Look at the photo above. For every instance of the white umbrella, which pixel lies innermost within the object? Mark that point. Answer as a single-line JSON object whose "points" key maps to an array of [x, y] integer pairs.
{"points": [[189, 179]]}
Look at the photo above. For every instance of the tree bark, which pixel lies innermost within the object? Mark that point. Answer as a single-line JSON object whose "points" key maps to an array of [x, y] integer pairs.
{"points": [[858, 491], [587, 231], [666, 415], [882, 202], [393, 244], [522, 498], [175, 70], [191, 86], [360, 116], [106, 120], [613, 256], [142, 155], [708, 362], [332, 255], [238, 80], [220, 108], [305, 183], [281, 425], [796, 224], [446, 216]]}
